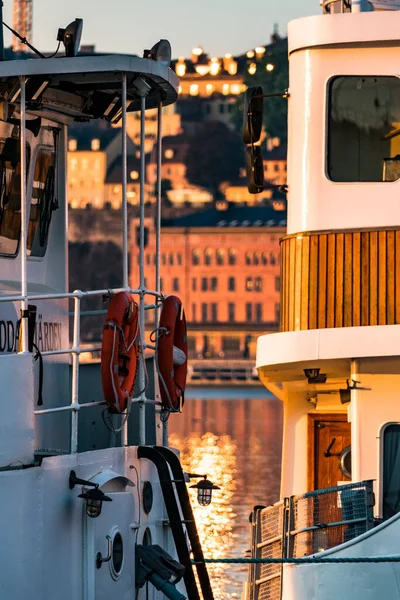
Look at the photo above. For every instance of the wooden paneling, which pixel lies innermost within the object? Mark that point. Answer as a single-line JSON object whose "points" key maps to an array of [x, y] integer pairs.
{"points": [[340, 279]]}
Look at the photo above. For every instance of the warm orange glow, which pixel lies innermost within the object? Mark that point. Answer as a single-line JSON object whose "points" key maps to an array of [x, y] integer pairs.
{"points": [[214, 67], [225, 89], [134, 175], [252, 68], [250, 54], [270, 67], [198, 51], [202, 69], [260, 50], [232, 68], [180, 67], [209, 89], [194, 89], [235, 88]]}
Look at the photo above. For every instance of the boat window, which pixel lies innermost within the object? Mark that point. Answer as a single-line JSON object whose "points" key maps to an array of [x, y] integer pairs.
{"points": [[391, 470], [364, 129], [10, 194], [43, 203]]}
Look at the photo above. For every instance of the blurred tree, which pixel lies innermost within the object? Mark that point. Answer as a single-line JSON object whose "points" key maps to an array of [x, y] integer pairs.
{"points": [[272, 74], [215, 154]]}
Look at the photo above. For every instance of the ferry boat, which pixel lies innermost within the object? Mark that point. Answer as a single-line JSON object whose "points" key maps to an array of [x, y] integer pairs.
{"points": [[335, 364], [93, 503]]}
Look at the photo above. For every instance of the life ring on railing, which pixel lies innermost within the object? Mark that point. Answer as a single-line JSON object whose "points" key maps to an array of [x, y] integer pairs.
{"points": [[172, 351], [120, 351]]}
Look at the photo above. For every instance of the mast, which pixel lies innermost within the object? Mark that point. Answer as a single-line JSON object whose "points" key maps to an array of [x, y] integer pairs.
{"points": [[1, 32]]}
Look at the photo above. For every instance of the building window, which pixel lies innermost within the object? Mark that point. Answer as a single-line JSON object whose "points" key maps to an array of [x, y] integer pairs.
{"points": [[72, 145], [231, 312], [272, 258], [194, 284], [204, 284], [214, 309], [264, 259], [220, 256], [247, 258], [221, 108], [116, 189], [175, 284], [363, 117], [214, 284], [231, 284], [249, 284], [196, 257], [232, 256], [194, 89], [256, 258], [276, 168], [277, 284], [194, 316], [134, 175], [169, 153], [171, 259], [249, 311], [95, 145], [148, 259], [204, 311], [258, 312], [163, 259], [258, 284], [179, 258], [161, 283], [208, 256]]}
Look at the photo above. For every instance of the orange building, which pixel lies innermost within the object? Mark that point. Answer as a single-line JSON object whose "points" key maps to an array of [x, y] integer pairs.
{"points": [[224, 265]]}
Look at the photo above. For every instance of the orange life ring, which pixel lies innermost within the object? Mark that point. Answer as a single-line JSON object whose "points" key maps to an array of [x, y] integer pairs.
{"points": [[172, 333], [120, 351]]}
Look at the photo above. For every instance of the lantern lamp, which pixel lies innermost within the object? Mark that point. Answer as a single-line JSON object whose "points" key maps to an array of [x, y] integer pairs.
{"points": [[94, 498], [204, 491]]}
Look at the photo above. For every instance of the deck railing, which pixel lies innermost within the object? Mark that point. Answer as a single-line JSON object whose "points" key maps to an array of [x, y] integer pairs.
{"points": [[303, 525]]}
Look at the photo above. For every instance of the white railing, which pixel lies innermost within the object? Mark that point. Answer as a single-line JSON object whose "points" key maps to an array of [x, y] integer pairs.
{"points": [[77, 295]]}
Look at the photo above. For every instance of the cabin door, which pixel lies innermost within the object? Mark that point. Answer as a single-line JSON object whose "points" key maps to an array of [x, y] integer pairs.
{"points": [[329, 451]]}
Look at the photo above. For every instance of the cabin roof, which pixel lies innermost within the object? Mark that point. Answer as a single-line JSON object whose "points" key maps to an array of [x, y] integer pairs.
{"points": [[84, 87], [233, 216]]}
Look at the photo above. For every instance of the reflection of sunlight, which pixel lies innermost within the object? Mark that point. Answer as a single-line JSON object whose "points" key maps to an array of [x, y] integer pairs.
{"points": [[215, 456]]}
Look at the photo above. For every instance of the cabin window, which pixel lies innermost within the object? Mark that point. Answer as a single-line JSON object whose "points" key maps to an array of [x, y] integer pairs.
{"points": [[10, 194], [364, 129], [391, 470], [43, 203]]}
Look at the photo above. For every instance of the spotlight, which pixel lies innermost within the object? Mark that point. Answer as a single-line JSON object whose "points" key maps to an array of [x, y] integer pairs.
{"points": [[71, 37], [161, 52], [314, 376]]}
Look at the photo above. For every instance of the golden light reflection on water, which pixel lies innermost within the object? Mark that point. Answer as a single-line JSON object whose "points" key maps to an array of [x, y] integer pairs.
{"points": [[237, 443]]}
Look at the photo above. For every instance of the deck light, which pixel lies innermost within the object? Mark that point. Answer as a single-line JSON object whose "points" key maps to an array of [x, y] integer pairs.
{"points": [[94, 498], [204, 489], [71, 37], [161, 52]]}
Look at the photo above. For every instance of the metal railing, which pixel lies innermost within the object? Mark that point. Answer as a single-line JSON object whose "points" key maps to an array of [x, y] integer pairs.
{"points": [[303, 525], [24, 298]]}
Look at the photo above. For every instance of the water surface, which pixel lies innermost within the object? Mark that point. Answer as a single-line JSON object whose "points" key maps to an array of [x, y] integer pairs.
{"points": [[234, 436]]}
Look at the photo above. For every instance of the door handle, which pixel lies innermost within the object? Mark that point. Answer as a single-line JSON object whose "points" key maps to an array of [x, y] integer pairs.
{"points": [[101, 559], [327, 452]]}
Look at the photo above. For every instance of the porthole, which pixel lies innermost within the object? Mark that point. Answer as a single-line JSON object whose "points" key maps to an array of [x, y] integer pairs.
{"points": [[147, 537], [345, 462], [117, 559]]}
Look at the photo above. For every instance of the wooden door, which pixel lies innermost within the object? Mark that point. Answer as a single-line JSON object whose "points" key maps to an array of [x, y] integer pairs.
{"points": [[329, 435]]}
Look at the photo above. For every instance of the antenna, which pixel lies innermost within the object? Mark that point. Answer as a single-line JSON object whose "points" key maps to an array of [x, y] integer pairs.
{"points": [[1, 32], [22, 22]]}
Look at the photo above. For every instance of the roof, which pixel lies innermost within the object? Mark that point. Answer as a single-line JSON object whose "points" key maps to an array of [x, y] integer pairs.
{"points": [[234, 216], [114, 172], [88, 87], [84, 133], [277, 153]]}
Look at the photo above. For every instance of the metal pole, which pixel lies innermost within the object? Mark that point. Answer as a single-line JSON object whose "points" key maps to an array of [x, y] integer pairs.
{"points": [[355, 413], [158, 240], [1, 32], [158, 204], [142, 405], [24, 283], [124, 188], [75, 376]]}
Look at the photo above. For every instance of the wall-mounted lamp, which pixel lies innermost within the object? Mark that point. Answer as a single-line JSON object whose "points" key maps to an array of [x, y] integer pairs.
{"points": [[204, 489], [314, 376], [94, 498]]}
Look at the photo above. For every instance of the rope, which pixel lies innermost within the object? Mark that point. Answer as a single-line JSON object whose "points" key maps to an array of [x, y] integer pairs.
{"points": [[302, 560]]}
